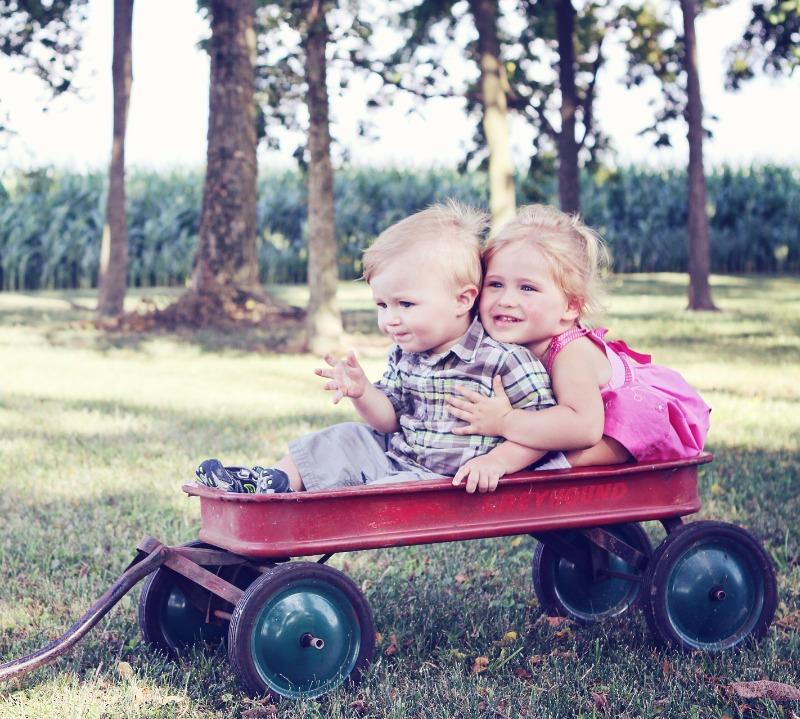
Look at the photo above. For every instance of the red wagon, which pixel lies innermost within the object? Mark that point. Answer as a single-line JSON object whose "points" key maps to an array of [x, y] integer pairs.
{"points": [[301, 628]]}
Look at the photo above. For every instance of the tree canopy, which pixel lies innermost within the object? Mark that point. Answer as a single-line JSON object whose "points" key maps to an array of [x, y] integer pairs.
{"points": [[44, 38], [770, 43]]}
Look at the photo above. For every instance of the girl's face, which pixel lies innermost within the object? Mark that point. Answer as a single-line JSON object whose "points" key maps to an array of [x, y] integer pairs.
{"points": [[521, 301]]}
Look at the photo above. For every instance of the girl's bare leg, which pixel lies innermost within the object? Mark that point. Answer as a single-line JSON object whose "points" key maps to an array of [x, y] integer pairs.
{"points": [[606, 451], [295, 481]]}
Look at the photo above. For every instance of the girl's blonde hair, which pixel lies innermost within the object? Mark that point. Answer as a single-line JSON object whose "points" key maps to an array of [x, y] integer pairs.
{"points": [[576, 255], [445, 237]]}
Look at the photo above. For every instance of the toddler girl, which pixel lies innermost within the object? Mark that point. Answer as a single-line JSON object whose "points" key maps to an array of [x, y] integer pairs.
{"points": [[542, 276]]}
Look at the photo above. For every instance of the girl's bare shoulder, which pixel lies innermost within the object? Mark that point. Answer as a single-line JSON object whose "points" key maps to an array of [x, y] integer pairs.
{"points": [[583, 352]]}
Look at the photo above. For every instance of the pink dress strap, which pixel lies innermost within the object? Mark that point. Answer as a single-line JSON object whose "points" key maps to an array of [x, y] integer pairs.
{"points": [[559, 342], [617, 352]]}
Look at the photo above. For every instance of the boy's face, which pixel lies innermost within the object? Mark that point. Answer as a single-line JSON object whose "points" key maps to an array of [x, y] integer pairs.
{"points": [[521, 301], [419, 309]]}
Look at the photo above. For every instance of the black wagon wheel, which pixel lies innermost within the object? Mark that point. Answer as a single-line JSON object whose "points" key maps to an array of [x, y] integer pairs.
{"points": [[568, 588], [299, 631], [710, 586], [174, 613]]}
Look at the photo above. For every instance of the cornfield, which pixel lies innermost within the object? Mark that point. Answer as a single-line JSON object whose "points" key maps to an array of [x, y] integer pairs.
{"points": [[51, 222]]}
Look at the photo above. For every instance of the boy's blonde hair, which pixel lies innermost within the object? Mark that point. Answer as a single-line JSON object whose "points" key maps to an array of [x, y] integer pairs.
{"points": [[576, 255], [443, 236]]}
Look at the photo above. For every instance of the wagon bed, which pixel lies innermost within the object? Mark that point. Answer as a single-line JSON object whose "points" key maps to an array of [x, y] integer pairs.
{"points": [[310, 523]]}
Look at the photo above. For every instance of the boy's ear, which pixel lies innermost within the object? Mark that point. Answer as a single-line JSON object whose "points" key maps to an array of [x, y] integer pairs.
{"points": [[466, 297]]}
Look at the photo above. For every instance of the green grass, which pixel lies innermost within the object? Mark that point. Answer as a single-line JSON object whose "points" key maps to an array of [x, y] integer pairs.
{"points": [[97, 432]]}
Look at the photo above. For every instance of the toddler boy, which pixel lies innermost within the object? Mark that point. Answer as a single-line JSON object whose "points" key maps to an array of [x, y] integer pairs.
{"points": [[424, 273]]}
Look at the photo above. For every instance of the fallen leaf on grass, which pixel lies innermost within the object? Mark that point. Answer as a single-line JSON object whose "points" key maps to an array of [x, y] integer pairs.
{"points": [[507, 639], [267, 710], [461, 577], [359, 705], [765, 689], [600, 700], [554, 621], [516, 541], [392, 648], [562, 654], [667, 668], [125, 670], [789, 621], [481, 664], [522, 673]]}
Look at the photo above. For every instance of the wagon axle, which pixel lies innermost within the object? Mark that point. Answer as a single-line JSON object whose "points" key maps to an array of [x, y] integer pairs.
{"points": [[717, 593], [309, 640]]}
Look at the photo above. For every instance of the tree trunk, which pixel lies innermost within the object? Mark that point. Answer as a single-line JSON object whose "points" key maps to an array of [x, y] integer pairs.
{"points": [[569, 189], [226, 254], [113, 277], [323, 321], [494, 87], [699, 245], [225, 289]]}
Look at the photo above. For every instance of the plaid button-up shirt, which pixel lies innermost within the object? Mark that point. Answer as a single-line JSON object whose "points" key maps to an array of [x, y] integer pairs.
{"points": [[418, 384]]}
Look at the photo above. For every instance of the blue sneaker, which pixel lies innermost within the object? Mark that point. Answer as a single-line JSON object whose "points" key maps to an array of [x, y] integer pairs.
{"points": [[211, 473], [271, 480]]}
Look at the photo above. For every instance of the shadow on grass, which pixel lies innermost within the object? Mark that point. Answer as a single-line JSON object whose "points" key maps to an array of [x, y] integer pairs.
{"points": [[758, 489], [676, 285], [68, 326], [59, 317], [178, 426]]}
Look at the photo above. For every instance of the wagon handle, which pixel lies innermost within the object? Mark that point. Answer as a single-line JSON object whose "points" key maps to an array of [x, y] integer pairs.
{"points": [[121, 586]]}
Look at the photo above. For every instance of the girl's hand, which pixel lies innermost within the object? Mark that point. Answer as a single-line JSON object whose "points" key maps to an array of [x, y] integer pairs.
{"points": [[484, 415], [347, 378]]}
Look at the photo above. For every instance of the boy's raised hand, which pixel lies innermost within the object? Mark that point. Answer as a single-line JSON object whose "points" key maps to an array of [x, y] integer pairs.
{"points": [[347, 377], [484, 415], [482, 473]]}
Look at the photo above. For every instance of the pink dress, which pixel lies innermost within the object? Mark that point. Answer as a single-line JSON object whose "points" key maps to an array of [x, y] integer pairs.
{"points": [[649, 409]]}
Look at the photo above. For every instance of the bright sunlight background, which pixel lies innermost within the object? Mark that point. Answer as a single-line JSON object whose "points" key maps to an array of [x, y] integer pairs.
{"points": [[169, 106]]}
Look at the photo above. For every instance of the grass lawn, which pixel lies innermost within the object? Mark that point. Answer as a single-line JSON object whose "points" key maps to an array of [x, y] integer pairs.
{"points": [[97, 432]]}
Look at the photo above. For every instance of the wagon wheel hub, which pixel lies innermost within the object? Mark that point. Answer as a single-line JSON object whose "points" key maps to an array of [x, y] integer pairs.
{"points": [[717, 594]]}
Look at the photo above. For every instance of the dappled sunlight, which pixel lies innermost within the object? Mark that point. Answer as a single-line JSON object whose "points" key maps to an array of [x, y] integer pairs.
{"points": [[86, 422], [754, 423], [117, 691], [34, 301]]}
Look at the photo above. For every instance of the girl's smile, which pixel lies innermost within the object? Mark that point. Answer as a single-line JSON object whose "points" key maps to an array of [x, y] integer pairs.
{"points": [[521, 302]]}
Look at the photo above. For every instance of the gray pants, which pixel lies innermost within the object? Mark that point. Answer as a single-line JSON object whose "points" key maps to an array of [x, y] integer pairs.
{"points": [[350, 455], [353, 454]]}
